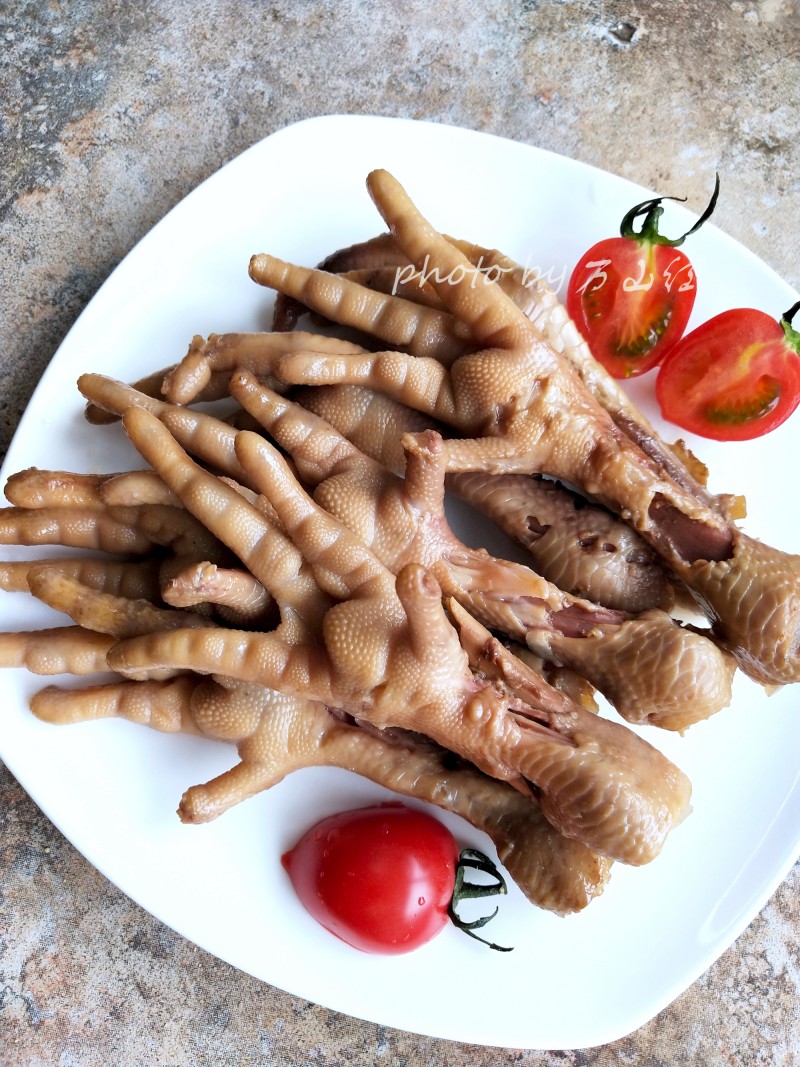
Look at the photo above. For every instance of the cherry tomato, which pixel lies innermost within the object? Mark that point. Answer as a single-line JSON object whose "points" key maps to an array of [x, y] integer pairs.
{"points": [[379, 878], [386, 878], [631, 296], [734, 378]]}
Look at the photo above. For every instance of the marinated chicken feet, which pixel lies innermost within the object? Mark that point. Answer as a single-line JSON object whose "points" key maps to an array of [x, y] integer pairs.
{"points": [[579, 547], [386, 652], [526, 411], [651, 669], [389, 270], [276, 735]]}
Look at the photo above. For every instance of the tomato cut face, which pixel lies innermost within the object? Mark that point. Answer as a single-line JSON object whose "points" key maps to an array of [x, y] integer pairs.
{"points": [[734, 378], [380, 878], [631, 301]]}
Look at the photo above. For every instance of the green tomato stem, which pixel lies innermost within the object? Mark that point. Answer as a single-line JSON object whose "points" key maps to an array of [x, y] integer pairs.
{"points": [[464, 890], [791, 335], [652, 212]]}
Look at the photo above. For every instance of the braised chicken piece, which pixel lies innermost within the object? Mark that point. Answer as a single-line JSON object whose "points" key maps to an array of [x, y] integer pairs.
{"points": [[351, 639], [603, 560], [608, 562], [650, 669]]}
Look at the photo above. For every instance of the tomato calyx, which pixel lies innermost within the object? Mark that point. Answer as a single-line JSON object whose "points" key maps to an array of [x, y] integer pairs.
{"points": [[652, 211], [464, 890], [791, 335]]}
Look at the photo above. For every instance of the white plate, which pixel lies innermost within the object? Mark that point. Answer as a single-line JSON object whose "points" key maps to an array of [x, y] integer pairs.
{"points": [[112, 787]]}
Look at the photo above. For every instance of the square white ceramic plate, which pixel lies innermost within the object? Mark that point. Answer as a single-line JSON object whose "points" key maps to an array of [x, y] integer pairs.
{"points": [[112, 787]]}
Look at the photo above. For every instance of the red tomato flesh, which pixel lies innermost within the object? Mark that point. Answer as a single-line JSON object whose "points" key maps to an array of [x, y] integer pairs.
{"points": [[631, 301], [380, 878], [734, 378]]}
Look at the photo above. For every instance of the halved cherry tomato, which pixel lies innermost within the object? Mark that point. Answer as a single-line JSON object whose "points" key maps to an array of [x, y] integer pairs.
{"points": [[631, 296], [734, 378], [385, 878]]}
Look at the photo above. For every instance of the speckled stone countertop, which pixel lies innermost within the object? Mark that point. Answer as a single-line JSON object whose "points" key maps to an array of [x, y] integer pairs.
{"points": [[111, 113]]}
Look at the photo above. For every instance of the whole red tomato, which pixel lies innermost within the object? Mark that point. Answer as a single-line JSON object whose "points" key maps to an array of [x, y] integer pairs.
{"points": [[631, 296], [384, 878], [734, 378]]}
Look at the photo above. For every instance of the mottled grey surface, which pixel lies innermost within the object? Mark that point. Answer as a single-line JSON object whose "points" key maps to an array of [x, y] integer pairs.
{"points": [[111, 112]]}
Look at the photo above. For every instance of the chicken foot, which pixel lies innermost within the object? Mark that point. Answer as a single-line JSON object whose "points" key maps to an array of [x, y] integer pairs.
{"points": [[387, 653], [579, 547], [135, 580], [56, 650], [687, 677], [276, 735], [526, 412], [213, 360], [389, 270]]}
